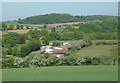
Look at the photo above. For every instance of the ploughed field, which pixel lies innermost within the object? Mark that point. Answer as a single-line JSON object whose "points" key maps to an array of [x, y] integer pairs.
{"points": [[62, 73]]}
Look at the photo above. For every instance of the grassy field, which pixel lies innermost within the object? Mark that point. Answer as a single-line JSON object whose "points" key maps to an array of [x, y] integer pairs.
{"points": [[11, 22], [62, 73], [100, 50]]}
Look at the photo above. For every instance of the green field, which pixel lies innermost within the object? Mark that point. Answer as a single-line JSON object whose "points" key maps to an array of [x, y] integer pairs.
{"points": [[94, 50], [11, 22], [62, 73]]}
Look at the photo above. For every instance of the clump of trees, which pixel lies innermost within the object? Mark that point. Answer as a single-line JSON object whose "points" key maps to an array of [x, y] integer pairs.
{"points": [[10, 39], [24, 49], [64, 18]]}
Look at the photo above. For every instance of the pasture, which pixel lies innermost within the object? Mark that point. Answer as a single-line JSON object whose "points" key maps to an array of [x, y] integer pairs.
{"points": [[94, 50], [62, 73]]}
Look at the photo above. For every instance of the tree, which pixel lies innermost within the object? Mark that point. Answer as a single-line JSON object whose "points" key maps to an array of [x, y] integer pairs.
{"points": [[4, 52], [11, 38], [24, 49], [44, 26], [9, 49], [4, 26], [54, 36], [10, 27], [21, 26], [27, 27], [53, 29], [22, 40], [34, 34], [18, 26], [44, 41]]}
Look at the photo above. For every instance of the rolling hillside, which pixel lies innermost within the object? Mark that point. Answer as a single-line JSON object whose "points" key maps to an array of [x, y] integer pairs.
{"points": [[64, 18]]}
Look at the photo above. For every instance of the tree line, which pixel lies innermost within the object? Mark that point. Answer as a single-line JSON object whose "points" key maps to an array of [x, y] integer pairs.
{"points": [[64, 18]]}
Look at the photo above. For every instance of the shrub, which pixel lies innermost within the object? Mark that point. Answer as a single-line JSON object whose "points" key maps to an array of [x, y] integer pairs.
{"points": [[8, 63], [46, 55], [106, 42]]}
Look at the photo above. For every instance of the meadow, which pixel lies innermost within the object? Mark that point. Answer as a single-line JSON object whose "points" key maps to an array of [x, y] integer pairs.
{"points": [[62, 73], [94, 50]]}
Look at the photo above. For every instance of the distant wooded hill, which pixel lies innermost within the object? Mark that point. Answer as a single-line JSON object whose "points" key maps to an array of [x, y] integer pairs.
{"points": [[64, 18]]}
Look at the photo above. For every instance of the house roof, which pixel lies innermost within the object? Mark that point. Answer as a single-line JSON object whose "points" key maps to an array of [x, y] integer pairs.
{"points": [[54, 52], [64, 47], [79, 41]]}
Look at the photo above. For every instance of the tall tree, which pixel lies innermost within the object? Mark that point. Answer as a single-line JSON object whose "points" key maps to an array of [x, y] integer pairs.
{"points": [[18, 26], [44, 26], [21, 26], [53, 29], [22, 40]]}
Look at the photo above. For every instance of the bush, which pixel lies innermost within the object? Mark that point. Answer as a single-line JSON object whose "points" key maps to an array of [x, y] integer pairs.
{"points": [[8, 63], [46, 55]]}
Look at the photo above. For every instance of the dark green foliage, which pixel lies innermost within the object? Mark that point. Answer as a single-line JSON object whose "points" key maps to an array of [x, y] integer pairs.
{"points": [[95, 60], [10, 27], [62, 18], [8, 63], [4, 26], [102, 27], [4, 52], [18, 26], [56, 44], [22, 40], [72, 49], [53, 29], [24, 49], [46, 55], [54, 36], [34, 34], [80, 45], [106, 42], [21, 26], [44, 26], [11, 38], [16, 50], [27, 27], [9, 51]]}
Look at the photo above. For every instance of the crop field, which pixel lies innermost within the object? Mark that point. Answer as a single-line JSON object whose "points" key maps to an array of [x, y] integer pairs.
{"points": [[94, 50], [62, 73], [57, 24], [22, 31]]}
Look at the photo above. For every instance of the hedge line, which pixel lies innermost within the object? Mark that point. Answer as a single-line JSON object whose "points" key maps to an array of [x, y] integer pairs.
{"points": [[36, 60], [105, 42]]}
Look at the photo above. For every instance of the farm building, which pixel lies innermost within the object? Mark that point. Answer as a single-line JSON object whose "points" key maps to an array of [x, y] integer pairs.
{"points": [[53, 51]]}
